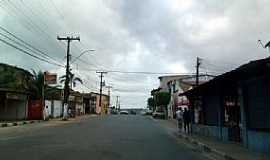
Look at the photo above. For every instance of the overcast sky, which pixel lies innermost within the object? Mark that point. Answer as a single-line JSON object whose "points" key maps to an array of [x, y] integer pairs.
{"points": [[138, 35]]}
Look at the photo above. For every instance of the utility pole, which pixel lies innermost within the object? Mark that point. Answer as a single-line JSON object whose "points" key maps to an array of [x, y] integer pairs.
{"points": [[197, 71], [109, 93], [66, 89], [101, 85], [117, 106]]}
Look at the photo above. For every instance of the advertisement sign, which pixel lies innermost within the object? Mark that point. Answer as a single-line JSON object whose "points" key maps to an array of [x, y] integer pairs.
{"points": [[50, 78]]}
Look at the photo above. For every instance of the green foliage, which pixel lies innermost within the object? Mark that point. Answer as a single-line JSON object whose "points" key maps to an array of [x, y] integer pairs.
{"points": [[36, 88], [151, 102], [12, 77], [162, 98], [72, 78]]}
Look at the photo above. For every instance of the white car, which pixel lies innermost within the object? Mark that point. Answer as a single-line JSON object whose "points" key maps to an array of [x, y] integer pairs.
{"points": [[123, 112]]}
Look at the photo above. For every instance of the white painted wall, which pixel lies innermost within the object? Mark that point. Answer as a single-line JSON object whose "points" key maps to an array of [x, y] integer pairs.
{"points": [[57, 108], [49, 104]]}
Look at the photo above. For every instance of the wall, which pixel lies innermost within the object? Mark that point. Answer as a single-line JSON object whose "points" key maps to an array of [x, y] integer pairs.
{"points": [[57, 108], [211, 131], [210, 106], [255, 113], [35, 109], [49, 104], [259, 141]]}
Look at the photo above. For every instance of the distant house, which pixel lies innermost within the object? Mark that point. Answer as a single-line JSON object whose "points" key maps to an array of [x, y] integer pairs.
{"points": [[12, 77], [76, 103], [13, 105], [235, 106], [103, 108], [178, 85], [14, 85]]}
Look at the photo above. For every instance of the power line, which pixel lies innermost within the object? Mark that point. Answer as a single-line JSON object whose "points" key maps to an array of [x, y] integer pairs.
{"points": [[139, 72], [56, 9], [33, 24], [34, 56], [25, 43]]}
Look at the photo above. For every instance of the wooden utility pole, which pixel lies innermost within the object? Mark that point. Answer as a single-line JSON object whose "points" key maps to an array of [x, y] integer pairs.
{"points": [[109, 93], [101, 85], [117, 103], [197, 71], [66, 89]]}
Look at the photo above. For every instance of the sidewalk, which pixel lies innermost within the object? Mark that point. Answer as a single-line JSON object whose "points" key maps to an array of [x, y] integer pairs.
{"points": [[24, 122], [225, 150], [18, 123]]}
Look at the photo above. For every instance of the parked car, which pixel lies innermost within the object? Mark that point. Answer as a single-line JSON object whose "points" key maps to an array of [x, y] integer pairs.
{"points": [[114, 112], [159, 114], [148, 112], [133, 112], [124, 112]]}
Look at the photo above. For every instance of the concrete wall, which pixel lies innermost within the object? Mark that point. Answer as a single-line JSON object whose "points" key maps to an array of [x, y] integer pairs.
{"points": [[57, 108], [211, 131], [15, 110], [259, 141], [49, 104]]}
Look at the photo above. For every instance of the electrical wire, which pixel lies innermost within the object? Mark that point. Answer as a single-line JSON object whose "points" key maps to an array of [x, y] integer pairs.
{"points": [[26, 52], [26, 44]]}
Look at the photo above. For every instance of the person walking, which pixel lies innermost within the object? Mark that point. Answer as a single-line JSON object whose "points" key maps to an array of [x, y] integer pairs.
{"points": [[187, 119], [179, 117]]}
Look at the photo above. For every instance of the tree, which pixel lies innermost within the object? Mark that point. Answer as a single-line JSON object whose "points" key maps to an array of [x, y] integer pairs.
{"points": [[162, 98], [37, 83], [72, 78], [14, 78], [151, 103], [36, 87]]}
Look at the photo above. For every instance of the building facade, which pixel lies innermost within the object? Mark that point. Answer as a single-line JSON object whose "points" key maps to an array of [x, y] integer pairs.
{"points": [[235, 106]]}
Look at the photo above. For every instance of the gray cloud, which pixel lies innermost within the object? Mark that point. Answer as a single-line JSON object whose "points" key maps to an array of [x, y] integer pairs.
{"points": [[149, 35]]}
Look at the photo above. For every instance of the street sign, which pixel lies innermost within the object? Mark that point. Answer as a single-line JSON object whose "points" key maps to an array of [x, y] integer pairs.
{"points": [[50, 78]]}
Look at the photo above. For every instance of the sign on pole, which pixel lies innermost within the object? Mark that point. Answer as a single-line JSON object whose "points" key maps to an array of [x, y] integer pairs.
{"points": [[50, 78]]}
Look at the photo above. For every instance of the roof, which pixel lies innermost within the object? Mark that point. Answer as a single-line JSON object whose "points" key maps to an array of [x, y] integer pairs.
{"points": [[172, 76], [252, 69], [98, 94], [13, 91], [15, 67]]}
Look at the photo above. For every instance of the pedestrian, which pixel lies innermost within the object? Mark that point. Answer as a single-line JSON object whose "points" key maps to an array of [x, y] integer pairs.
{"points": [[187, 119], [46, 113], [179, 117], [69, 112]]}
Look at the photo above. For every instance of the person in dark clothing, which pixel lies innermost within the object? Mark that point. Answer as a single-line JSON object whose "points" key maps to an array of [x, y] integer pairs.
{"points": [[187, 119]]}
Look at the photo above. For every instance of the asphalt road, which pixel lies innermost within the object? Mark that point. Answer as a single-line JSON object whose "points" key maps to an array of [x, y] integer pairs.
{"points": [[120, 137]]}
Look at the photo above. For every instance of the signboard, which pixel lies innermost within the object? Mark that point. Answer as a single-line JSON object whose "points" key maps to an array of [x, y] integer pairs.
{"points": [[50, 78], [71, 98], [15, 96]]}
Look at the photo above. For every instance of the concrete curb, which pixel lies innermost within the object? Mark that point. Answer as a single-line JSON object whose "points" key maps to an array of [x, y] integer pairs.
{"points": [[205, 148], [11, 124]]}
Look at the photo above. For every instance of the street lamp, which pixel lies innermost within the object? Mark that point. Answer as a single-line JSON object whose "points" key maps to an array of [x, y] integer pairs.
{"points": [[89, 50]]}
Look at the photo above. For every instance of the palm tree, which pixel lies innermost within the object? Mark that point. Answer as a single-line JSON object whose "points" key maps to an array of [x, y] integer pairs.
{"points": [[37, 84], [72, 78]]}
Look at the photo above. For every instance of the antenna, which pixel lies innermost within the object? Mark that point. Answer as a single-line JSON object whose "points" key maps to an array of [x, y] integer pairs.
{"points": [[267, 45], [260, 42]]}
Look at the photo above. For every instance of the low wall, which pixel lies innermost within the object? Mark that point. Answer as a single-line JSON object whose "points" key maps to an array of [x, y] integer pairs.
{"points": [[211, 131], [57, 108], [259, 141]]}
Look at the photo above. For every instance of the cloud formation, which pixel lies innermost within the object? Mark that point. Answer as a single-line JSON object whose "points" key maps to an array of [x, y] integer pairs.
{"points": [[141, 35]]}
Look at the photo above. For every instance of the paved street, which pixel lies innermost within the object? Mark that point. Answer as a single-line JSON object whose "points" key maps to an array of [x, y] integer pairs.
{"points": [[102, 138]]}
